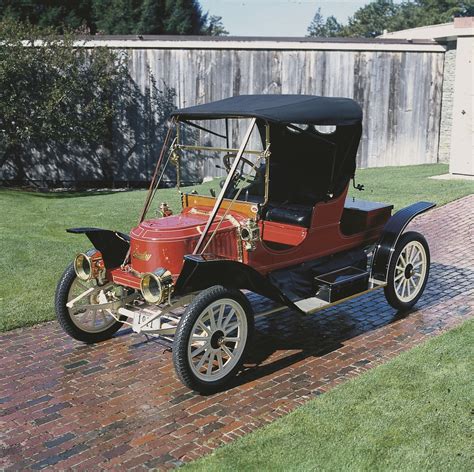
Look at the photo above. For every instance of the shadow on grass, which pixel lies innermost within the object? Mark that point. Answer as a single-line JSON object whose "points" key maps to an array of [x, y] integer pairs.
{"points": [[92, 192], [65, 193]]}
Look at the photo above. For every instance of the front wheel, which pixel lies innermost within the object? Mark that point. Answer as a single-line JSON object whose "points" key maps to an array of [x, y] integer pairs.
{"points": [[408, 271], [212, 338], [83, 319]]}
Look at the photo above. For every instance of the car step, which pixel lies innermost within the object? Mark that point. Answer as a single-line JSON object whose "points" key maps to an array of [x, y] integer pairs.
{"points": [[337, 286], [341, 283]]}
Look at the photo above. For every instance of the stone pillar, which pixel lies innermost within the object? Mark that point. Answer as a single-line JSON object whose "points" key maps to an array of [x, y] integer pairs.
{"points": [[462, 134], [446, 123]]}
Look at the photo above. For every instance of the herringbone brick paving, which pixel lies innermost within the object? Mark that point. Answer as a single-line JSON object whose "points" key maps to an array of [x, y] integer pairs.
{"points": [[118, 405]]}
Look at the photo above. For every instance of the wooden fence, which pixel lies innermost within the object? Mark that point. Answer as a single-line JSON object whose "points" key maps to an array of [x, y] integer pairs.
{"points": [[397, 83]]}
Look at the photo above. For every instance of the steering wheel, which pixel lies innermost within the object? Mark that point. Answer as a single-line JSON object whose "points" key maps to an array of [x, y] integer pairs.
{"points": [[244, 176]]}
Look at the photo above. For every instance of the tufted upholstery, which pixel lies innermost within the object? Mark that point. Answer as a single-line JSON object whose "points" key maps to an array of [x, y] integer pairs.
{"points": [[291, 214]]}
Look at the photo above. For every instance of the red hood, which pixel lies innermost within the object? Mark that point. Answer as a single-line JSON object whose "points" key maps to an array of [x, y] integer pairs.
{"points": [[164, 242]]}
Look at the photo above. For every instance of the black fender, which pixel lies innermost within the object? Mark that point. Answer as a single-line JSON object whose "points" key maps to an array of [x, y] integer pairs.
{"points": [[113, 245], [203, 271], [389, 238]]}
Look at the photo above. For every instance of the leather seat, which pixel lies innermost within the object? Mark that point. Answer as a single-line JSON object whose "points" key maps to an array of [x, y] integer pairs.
{"points": [[299, 215]]}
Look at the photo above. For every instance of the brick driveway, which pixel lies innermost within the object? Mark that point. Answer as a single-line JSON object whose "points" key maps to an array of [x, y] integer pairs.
{"points": [[119, 405]]}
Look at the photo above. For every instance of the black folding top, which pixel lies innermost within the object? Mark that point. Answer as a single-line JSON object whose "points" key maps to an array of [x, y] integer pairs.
{"points": [[302, 109]]}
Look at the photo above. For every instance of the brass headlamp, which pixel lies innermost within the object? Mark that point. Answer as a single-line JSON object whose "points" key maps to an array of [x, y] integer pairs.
{"points": [[156, 286], [88, 266]]}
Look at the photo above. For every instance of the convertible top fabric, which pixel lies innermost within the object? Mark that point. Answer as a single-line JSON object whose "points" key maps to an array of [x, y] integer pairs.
{"points": [[285, 109]]}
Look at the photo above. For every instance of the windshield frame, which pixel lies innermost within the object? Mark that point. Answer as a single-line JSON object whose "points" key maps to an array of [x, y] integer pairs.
{"points": [[264, 153], [178, 146], [220, 198], [174, 156]]}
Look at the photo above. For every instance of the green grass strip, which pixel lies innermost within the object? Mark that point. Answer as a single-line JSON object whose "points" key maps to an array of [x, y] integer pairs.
{"points": [[413, 413], [35, 249]]}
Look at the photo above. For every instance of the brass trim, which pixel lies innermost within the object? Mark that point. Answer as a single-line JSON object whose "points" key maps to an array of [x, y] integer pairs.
{"points": [[248, 209], [190, 147], [266, 154], [164, 286], [95, 266], [240, 248], [142, 256]]}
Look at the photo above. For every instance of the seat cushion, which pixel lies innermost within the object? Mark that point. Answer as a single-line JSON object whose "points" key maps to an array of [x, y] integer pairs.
{"points": [[299, 215]]}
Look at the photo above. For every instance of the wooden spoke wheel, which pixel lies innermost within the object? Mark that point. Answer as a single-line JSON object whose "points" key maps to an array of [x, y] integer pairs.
{"points": [[408, 271], [85, 320], [211, 339]]}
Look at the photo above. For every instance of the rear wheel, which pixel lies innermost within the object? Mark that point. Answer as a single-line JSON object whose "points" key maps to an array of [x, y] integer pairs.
{"points": [[408, 271], [212, 338], [83, 321]]}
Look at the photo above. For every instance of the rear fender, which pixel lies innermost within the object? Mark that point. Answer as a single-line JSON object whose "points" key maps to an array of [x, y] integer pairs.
{"points": [[203, 271], [391, 233], [113, 245]]}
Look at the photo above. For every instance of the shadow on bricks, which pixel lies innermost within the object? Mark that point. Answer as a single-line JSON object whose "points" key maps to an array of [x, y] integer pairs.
{"points": [[324, 332]]}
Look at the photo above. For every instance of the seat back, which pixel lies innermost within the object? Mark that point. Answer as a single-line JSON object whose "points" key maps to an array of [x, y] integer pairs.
{"points": [[298, 215]]}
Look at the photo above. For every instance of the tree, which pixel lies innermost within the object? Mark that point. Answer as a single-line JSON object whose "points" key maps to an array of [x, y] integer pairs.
{"points": [[73, 14], [54, 97], [183, 17], [372, 19], [333, 27], [430, 12], [151, 18], [324, 29], [115, 16], [215, 27]]}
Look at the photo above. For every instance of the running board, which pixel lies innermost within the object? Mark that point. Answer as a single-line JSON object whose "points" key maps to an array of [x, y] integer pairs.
{"points": [[314, 304]]}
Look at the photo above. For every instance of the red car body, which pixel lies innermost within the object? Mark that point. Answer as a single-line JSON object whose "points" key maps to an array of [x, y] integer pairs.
{"points": [[163, 242], [286, 229]]}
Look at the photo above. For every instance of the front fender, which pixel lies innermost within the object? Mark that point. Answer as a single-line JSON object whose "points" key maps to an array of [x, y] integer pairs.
{"points": [[203, 271], [389, 238], [113, 245]]}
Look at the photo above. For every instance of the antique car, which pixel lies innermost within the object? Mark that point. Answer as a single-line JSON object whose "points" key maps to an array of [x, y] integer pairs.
{"points": [[280, 225]]}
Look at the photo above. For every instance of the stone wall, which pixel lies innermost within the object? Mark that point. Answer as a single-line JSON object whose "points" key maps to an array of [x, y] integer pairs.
{"points": [[447, 102]]}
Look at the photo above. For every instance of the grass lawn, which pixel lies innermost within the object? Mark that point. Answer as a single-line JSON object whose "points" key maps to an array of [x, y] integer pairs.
{"points": [[413, 413], [36, 248]]}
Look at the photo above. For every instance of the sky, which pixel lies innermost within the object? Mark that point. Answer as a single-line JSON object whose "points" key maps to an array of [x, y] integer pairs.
{"points": [[276, 17]]}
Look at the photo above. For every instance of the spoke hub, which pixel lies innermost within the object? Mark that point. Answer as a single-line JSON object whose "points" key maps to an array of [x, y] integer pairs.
{"points": [[409, 271], [217, 339]]}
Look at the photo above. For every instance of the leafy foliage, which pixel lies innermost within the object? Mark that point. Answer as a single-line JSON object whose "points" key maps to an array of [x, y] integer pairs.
{"points": [[372, 19], [52, 95], [116, 16], [215, 27], [72, 14], [62, 105], [324, 28], [379, 15]]}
